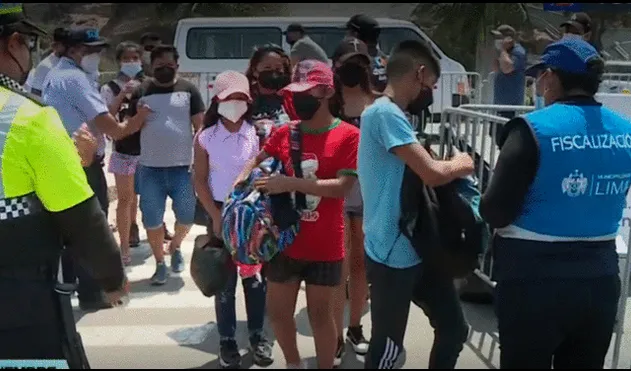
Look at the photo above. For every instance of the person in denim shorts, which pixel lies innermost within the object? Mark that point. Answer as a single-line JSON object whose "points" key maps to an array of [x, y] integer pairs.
{"points": [[166, 151], [124, 158]]}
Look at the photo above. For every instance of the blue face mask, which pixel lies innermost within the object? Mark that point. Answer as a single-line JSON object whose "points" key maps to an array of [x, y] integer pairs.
{"points": [[539, 102], [131, 69]]}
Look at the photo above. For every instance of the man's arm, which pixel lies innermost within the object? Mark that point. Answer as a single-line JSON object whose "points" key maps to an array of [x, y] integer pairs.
{"points": [[197, 109], [434, 173], [112, 101], [89, 101], [395, 133], [61, 185], [512, 61], [513, 175]]}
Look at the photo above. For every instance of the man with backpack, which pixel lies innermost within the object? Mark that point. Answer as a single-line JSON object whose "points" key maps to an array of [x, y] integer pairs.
{"points": [[389, 144]]}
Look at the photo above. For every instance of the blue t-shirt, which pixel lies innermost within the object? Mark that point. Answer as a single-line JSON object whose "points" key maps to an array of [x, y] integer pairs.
{"points": [[384, 127], [510, 88]]}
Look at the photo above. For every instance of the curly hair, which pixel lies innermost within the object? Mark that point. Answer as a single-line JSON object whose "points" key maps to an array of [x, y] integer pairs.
{"points": [[259, 53]]}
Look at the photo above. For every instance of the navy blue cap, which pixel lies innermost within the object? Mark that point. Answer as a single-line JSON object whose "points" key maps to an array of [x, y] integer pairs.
{"points": [[86, 36], [570, 54]]}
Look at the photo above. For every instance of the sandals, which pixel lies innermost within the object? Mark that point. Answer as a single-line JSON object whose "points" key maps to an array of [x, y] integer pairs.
{"points": [[126, 260]]}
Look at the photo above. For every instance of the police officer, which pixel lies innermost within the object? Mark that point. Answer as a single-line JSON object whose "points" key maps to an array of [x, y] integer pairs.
{"points": [[70, 90], [44, 198], [556, 198]]}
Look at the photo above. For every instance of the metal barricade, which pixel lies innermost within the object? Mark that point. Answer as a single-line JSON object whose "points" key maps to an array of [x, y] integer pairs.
{"points": [[456, 88], [459, 125], [617, 78]]}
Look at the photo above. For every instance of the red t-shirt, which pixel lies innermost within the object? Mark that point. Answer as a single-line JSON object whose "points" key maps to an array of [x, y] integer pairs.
{"points": [[325, 155]]}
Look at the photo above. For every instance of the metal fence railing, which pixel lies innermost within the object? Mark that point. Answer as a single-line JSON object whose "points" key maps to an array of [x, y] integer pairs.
{"points": [[476, 128]]}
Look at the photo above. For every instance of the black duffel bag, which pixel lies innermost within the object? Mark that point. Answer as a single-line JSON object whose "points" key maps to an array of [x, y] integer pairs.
{"points": [[211, 265]]}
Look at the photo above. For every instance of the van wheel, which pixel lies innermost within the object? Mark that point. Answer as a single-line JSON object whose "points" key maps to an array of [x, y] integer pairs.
{"points": [[473, 290]]}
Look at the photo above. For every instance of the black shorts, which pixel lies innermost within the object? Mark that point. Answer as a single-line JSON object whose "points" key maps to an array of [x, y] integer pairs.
{"points": [[283, 269]]}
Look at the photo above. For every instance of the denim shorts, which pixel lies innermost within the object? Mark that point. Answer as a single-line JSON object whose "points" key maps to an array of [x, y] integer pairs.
{"points": [[156, 184]]}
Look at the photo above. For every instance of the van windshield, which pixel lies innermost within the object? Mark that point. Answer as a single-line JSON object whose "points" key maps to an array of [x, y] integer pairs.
{"points": [[329, 37], [229, 42]]}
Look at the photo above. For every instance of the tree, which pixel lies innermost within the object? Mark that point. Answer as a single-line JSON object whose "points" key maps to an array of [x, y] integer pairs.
{"points": [[458, 28]]}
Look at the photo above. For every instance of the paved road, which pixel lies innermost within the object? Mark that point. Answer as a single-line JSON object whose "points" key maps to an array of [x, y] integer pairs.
{"points": [[174, 327]]}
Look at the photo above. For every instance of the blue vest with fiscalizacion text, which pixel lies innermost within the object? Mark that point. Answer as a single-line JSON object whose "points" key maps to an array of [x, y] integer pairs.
{"points": [[584, 172]]}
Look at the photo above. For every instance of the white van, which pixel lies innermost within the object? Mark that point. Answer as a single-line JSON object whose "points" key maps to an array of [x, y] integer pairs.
{"points": [[209, 46]]}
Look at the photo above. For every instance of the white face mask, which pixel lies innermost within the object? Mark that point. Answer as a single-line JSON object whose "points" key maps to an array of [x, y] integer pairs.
{"points": [[131, 69], [499, 44], [90, 63], [233, 110]]}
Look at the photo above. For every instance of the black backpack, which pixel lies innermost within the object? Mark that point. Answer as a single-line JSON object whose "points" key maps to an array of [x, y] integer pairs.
{"points": [[443, 223]]}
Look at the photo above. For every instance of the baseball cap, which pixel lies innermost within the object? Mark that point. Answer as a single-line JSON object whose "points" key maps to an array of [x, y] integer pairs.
{"points": [[85, 35], [504, 31], [361, 23], [59, 34], [581, 21], [230, 82], [295, 27], [307, 75], [12, 14], [570, 54], [348, 48]]}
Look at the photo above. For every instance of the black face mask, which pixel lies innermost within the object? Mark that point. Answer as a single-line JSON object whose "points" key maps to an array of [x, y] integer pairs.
{"points": [[350, 74], [424, 99], [306, 106], [273, 80], [164, 75]]}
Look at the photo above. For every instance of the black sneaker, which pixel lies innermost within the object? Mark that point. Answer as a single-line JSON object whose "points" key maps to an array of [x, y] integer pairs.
{"points": [[229, 356], [339, 354], [355, 336], [261, 351]]}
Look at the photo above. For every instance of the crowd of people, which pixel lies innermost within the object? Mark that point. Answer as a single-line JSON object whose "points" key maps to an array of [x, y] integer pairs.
{"points": [[356, 143]]}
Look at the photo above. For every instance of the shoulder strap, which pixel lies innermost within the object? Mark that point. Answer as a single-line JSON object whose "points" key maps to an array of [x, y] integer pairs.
{"points": [[114, 87], [295, 147]]}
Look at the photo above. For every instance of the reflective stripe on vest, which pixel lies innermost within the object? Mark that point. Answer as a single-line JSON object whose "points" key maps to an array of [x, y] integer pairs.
{"points": [[16, 207], [9, 105]]}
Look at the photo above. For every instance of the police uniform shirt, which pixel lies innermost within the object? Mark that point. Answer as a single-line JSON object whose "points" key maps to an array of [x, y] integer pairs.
{"points": [[37, 77], [76, 98]]}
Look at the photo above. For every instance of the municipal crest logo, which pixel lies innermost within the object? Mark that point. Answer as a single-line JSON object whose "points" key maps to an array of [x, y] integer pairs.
{"points": [[575, 184]]}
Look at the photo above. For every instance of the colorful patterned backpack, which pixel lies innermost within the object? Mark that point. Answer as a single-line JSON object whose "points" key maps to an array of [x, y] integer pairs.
{"points": [[252, 219]]}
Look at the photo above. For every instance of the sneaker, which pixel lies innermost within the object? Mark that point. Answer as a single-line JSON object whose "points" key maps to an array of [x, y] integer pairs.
{"points": [[355, 336], [126, 260], [177, 261], [134, 235], [160, 277], [167, 235], [261, 351], [339, 354], [229, 356]]}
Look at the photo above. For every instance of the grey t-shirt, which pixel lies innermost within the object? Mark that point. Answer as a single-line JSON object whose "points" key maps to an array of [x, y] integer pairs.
{"points": [[306, 48], [166, 139]]}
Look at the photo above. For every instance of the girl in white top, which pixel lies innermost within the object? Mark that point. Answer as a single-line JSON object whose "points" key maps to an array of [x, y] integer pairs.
{"points": [[222, 149]]}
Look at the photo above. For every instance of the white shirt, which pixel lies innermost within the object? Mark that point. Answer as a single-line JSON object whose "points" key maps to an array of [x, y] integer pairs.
{"points": [[38, 76]]}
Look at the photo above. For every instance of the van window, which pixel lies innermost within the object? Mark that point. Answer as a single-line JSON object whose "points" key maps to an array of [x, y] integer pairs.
{"points": [[329, 37], [228, 42]]}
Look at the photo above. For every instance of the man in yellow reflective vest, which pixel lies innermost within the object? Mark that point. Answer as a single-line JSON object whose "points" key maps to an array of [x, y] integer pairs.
{"points": [[44, 200]]}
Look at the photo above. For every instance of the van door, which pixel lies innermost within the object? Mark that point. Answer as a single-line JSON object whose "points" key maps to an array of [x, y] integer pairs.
{"points": [[208, 51]]}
